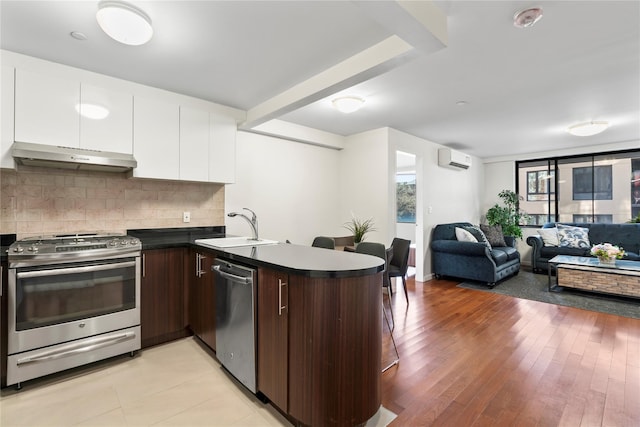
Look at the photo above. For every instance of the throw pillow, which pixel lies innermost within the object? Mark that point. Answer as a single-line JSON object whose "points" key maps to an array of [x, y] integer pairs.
{"points": [[549, 236], [464, 236], [494, 235], [478, 234], [573, 237]]}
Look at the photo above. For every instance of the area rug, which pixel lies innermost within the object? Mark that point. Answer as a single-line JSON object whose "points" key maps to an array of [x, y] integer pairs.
{"points": [[527, 285]]}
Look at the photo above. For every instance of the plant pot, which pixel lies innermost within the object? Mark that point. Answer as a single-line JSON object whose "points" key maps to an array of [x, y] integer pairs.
{"points": [[606, 261]]}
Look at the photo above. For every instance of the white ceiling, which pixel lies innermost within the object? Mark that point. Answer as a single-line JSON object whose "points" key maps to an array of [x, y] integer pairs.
{"points": [[523, 87]]}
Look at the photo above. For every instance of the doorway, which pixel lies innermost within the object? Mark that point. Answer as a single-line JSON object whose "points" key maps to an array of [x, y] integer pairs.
{"points": [[408, 202]]}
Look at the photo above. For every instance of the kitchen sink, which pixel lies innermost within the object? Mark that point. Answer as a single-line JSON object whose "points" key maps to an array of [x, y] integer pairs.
{"points": [[234, 242]]}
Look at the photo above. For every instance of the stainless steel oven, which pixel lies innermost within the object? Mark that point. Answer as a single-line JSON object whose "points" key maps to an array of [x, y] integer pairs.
{"points": [[72, 300]]}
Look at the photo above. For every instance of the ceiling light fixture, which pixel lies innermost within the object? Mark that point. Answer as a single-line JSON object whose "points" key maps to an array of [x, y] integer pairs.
{"points": [[527, 18], [124, 22], [348, 104], [92, 111], [588, 128]]}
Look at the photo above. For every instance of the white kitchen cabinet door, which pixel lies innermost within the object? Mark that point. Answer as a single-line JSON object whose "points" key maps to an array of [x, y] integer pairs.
{"points": [[222, 149], [156, 138], [194, 144], [6, 123], [115, 131], [45, 109]]}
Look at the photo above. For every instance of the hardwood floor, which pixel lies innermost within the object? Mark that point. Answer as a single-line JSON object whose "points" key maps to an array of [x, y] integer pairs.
{"points": [[473, 358]]}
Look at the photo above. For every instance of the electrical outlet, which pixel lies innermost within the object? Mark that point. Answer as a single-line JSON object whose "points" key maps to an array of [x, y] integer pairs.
{"points": [[186, 216]]}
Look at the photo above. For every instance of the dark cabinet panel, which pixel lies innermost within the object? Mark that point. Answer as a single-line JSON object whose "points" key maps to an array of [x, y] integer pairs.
{"points": [[162, 296], [273, 335], [202, 296]]}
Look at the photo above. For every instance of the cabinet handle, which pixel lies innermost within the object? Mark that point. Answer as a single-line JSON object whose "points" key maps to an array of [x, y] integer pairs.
{"points": [[144, 265], [199, 271], [280, 306]]}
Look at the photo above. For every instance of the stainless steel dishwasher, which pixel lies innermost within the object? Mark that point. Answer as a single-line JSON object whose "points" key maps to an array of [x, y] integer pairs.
{"points": [[235, 320]]}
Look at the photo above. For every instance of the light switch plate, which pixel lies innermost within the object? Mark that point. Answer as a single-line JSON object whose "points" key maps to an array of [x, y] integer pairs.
{"points": [[186, 216]]}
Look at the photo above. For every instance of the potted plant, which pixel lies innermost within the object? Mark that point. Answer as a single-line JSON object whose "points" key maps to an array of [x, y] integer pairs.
{"points": [[508, 216], [359, 228]]}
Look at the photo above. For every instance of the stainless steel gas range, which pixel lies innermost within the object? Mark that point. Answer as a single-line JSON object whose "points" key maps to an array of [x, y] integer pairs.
{"points": [[72, 300]]}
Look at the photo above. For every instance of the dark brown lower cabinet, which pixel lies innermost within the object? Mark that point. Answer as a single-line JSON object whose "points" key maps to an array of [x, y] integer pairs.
{"points": [[162, 296], [273, 334], [319, 346], [202, 296]]}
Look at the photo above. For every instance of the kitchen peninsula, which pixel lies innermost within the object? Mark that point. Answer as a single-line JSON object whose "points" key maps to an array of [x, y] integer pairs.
{"points": [[318, 331], [318, 323]]}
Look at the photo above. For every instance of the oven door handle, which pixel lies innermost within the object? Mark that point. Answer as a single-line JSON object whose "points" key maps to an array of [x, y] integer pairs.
{"points": [[77, 348], [74, 270]]}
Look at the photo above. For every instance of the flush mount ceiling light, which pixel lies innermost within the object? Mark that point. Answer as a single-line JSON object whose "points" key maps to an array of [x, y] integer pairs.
{"points": [[92, 111], [588, 128], [526, 18], [348, 104], [124, 22]]}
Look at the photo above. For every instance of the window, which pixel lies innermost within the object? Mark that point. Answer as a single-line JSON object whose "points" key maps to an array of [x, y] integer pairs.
{"points": [[592, 182], [406, 197], [587, 188], [540, 184], [604, 219]]}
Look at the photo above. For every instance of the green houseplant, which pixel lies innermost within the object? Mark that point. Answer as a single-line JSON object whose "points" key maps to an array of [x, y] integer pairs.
{"points": [[359, 228], [509, 216]]}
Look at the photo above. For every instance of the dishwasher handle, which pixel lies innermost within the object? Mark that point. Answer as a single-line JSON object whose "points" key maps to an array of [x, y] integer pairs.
{"points": [[238, 279]]}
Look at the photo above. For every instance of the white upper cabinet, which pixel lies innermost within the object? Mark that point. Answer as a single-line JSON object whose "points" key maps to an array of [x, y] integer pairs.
{"points": [[156, 138], [6, 123], [113, 132], [45, 109], [53, 111], [194, 144], [222, 149]]}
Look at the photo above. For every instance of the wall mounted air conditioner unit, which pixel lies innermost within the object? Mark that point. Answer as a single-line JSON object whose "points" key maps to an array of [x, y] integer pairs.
{"points": [[453, 159]]}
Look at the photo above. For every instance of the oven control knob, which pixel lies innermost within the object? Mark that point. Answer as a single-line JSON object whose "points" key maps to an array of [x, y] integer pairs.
{"points": [[32, 249], [113, 243], [19, 249]]}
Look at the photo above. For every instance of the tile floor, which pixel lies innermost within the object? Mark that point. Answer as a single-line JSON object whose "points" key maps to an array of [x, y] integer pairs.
{"points": [[175, 384]]}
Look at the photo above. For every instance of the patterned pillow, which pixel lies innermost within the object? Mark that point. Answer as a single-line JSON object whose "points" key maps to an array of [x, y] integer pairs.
{"points": [[478, 234], [573, 237], [464, 236], [494, 235], [549, 236]]}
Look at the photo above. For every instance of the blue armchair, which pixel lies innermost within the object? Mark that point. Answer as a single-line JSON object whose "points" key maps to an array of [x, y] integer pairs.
{"points": [[469, 260]]}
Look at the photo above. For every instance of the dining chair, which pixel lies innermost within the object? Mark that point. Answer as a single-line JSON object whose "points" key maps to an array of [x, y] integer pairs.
{"points": [[323, 242], [400, 262], [378, 249]]}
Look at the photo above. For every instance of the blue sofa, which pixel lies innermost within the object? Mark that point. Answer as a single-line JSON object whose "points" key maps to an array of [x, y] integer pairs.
{"points": [[626, 235], [473, 261]]}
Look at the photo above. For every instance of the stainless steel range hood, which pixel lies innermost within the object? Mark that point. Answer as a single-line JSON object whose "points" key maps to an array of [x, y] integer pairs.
{"points": [[30, 154]]}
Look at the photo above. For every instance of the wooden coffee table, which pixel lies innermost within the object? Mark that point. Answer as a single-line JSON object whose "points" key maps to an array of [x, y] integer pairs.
{"points": [[587, 274]]}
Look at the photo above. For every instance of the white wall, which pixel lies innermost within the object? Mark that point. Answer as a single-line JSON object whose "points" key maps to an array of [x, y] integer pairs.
{"points": [[292, 187], [364, 183]]}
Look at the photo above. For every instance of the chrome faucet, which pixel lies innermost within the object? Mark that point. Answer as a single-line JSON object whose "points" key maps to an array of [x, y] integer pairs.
{"points": [[253, 221]]}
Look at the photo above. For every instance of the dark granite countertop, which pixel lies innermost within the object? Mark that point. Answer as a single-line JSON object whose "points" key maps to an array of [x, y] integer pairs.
{"points": [[294, 259], [5, 241], [161, 238], [304, 260]]}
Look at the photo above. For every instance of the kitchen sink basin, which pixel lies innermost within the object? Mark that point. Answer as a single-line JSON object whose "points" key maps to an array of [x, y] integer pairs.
{"points": [[234, 242]]}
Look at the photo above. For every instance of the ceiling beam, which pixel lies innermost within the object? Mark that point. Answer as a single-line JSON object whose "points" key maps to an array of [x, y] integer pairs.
{"points": [[363, 66]]}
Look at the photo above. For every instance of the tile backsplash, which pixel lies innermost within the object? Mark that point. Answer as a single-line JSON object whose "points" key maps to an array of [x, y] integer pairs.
{"points": [[42, 201]]}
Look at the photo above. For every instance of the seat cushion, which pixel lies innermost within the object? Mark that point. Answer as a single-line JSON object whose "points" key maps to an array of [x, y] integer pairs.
{"points": [[551, 251], [512, 253], [499, 256]]}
